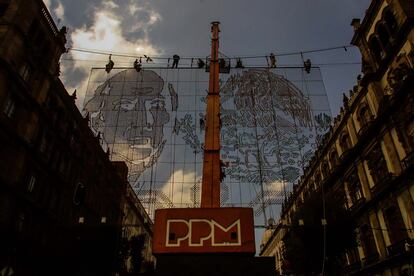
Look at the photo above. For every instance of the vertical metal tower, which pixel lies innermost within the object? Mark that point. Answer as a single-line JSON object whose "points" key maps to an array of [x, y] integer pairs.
{"points": [[210, 193], [209, 229]]}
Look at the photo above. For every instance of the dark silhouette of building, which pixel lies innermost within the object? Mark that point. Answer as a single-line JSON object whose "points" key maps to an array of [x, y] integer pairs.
{"points": [[367, 157], [61, 199], [137, 225]]}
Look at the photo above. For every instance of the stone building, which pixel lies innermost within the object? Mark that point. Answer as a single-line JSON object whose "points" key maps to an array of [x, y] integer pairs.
{"points": [[137, 224], [368, 155], [61, 199]]}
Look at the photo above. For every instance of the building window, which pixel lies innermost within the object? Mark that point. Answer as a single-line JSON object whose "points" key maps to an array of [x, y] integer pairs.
{"points": [[377, 165], [389, 19], [405, 134], [364, 116], [325, 169], [345, 142], [395, 224], [375, 47], [384, 36], [79, 194], [354, 188], [318, 178], [334, 158], [31, 185], [20, 222], [9, 107], [368, 242], [410, 131], [26, 72], [353, 256]]}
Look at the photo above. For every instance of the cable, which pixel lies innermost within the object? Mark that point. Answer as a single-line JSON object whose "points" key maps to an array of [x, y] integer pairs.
{"points": [[257, 65], [99, 52], [344, 47]]}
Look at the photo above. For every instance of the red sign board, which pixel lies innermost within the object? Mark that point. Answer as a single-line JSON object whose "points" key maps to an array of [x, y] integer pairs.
{"points": [[204, 230]]}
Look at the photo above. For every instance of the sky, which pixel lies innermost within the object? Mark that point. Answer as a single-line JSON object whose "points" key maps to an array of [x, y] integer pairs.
{"points": [[168, 27], [248, 28]]}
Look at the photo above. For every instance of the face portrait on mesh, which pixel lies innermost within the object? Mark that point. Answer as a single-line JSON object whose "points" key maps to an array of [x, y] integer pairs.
{"points": [[129, 112], [266, 121]]}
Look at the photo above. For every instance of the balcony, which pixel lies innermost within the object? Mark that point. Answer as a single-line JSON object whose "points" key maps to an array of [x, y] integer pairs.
{"points": [[370, 259], [397, 248], [409, 160], [382, 183], [345, 153], [352, 268], [356, 205]]}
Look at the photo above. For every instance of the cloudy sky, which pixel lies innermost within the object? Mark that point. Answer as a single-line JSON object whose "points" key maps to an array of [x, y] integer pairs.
{"points": [[166, 27], [248, 28]]}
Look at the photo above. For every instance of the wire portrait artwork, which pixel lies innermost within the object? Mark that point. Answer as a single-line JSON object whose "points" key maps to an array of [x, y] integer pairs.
{"points": [[154, 120], [128, 110], [268, 121]]}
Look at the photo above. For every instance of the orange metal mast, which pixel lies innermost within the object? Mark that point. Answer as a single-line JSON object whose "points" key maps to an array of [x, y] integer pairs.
{"points": [[209, 229], [210, 193]]}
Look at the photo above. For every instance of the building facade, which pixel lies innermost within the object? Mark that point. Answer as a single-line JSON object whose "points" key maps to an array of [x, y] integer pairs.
{"points": [[368, 155], [137, 225], [61, 198]]}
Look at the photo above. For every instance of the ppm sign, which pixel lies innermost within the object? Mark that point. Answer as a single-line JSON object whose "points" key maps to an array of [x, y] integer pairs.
{"points": [[207, 230]]}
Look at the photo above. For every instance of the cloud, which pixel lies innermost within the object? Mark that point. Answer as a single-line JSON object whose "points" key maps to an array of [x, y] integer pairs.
{"points": [[179, 187], [47, 3], [108, 4], [133, 8], [60, 10], [105, 34]]}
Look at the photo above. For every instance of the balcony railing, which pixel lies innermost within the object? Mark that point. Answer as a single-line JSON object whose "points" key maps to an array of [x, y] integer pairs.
{"points": [[397, 248], [370, 259], [409, 160], [365, 126], [353, 267], [382, 184], [357, 204]]}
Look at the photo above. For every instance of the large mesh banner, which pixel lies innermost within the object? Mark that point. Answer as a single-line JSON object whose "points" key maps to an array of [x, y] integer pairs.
{"points": [[153, 120]]}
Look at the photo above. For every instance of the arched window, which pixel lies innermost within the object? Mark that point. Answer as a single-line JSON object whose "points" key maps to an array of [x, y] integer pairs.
{"points": [[377, 165], [364, 115], [333, 158], [383, 35], [318, 178], [345, 142], [389, 19], [375, 47], [325, 169]]}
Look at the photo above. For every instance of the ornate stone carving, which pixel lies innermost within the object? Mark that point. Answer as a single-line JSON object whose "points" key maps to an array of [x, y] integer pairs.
{"points": [[400, 68]]}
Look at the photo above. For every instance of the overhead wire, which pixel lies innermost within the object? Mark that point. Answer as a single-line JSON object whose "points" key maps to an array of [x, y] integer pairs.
{"points": [[252, 65], [130, 55]]}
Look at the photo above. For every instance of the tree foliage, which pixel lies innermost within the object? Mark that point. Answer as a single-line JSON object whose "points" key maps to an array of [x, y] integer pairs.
{"points": [[305, 242]]}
